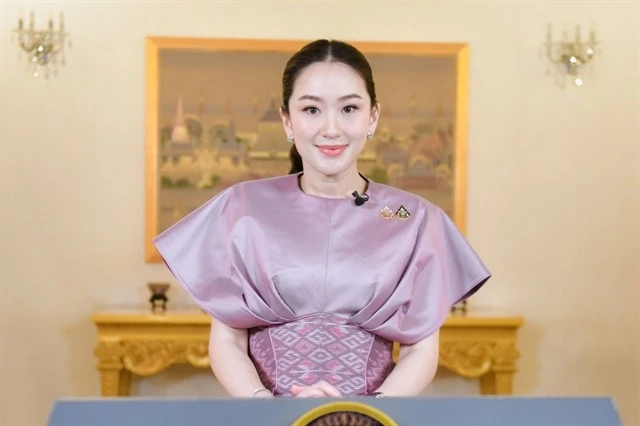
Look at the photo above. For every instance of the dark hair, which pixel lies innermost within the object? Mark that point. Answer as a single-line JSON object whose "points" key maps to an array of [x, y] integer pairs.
{"points": [[322, 51]]}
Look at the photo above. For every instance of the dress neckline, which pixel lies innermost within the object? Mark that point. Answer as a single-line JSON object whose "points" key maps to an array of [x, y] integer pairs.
{"points": [[298, 184]]}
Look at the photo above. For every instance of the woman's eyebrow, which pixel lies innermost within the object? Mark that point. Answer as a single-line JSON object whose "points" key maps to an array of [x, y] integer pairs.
{"points": [[318, 99]]}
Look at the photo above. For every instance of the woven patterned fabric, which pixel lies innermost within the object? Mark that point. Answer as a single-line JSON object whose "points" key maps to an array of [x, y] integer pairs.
{"points": [[320, 347]]}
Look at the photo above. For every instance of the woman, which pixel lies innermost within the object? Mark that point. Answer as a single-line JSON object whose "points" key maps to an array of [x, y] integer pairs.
{"points": [[310, 277]]}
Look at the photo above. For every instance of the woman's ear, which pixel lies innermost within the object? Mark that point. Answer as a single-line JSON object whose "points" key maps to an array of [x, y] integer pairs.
{"points": [[286, 122], [373, 118]]}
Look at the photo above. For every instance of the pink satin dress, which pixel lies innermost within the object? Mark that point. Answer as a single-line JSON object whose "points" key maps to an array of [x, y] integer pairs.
{"points": [[323, 286]]}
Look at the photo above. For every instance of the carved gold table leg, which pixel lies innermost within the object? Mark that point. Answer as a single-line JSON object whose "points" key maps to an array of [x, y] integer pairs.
{"points": [[497, 383], [114, 379], [110, 381], [124, 388], [488, 384], [499, 380]]}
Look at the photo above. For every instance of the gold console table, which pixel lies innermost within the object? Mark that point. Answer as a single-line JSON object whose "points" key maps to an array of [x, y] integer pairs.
{"points": [[142, 343]]}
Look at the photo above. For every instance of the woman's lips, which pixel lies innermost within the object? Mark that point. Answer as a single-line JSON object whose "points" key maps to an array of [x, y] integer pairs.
{"points": [[332, 150]]}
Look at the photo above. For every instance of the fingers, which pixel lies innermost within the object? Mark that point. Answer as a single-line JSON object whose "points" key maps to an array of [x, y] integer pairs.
{"points": [[319, 389], [307, 392], [328, 389], [295, 389]]}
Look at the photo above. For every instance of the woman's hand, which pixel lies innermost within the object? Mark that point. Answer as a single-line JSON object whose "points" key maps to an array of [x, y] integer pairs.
{"points": [[415, 369], [320, 389]]}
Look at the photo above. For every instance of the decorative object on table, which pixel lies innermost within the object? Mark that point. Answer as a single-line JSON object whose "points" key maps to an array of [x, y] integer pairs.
{"points": [[45, 47], [459, 308], [158, 297], [569, 56]]}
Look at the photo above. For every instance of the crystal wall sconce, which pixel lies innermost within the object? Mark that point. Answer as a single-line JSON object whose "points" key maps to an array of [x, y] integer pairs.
{"points": [[45, 48], [570, 56]]}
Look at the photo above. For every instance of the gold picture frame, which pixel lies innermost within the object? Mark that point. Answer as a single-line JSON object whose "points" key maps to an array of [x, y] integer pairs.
{"points": [[211, 78]]}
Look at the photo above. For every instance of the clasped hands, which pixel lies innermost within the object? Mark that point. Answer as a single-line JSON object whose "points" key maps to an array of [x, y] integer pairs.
{"points": [[320, 389]]}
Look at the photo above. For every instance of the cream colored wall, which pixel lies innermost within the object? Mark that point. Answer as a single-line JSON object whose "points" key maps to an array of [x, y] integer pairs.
{"points": [[552, 203]]}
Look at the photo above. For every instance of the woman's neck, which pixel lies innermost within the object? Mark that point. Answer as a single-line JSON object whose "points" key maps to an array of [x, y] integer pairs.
{"points": [[341, 186]]}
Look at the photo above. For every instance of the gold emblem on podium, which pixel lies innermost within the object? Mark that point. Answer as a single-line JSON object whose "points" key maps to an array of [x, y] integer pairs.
{"points": [[344, 413]]}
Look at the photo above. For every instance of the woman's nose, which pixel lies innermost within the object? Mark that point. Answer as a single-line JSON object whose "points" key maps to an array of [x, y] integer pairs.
{"points": [[330, 128]]}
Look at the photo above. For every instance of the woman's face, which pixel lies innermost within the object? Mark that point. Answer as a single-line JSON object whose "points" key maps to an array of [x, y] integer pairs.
{"points": [[330, 115]]}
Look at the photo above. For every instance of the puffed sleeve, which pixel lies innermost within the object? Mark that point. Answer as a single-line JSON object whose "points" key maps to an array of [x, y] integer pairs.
{"points": [[199, 253], [443, 270]]}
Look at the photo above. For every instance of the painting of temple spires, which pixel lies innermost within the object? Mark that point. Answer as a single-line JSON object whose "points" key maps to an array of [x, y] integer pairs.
{"points": [[213, 120]]}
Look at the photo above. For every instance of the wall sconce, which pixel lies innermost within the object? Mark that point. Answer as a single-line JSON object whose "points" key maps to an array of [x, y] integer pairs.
{"points": [[570, 56], [44, 47]]}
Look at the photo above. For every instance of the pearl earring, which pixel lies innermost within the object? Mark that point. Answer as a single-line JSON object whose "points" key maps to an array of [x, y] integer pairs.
{"points": [[290, 138], [370, 135]]}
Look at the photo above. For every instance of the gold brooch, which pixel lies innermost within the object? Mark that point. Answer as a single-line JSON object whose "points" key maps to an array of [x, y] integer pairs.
{"points": [[386, 213], [403, 213]]}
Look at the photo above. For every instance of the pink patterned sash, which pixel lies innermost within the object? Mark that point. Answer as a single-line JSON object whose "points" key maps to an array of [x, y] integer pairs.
{"points": [[320, 347]]}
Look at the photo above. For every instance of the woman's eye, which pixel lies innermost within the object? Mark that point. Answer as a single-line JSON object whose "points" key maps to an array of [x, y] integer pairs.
{"points": [[312, 110], [349, 109]]}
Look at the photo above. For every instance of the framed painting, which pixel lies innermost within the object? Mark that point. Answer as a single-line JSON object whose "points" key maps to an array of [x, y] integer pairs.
{"points": [[212, 120]]}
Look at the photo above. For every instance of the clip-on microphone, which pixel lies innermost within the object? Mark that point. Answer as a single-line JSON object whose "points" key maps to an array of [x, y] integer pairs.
{"points": [[360, 200]]}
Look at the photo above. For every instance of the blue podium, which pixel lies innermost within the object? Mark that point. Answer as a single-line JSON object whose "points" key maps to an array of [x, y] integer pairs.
{"points": [[427, 411]]}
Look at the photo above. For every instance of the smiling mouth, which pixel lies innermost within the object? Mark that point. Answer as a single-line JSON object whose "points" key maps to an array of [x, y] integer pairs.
{"points": [[332, 150]]}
